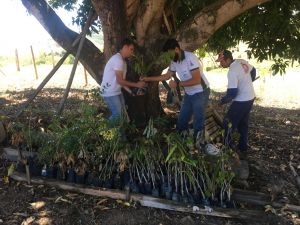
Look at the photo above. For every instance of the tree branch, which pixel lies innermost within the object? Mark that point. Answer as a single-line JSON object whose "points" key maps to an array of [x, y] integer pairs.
{"points": [[113, 21], [148, 16], [65, 37], [131, 8], [196, 31]]}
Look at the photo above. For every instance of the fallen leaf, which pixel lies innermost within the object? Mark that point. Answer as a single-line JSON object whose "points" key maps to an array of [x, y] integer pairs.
{"points": [[102, 201], [127, 204], [20, 214], [6, 180], [61, 199], [11, 170], [119, 201], [101, 207], [271, 209]]}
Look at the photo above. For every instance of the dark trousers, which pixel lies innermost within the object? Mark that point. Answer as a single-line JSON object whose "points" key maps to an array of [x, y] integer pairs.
{"points": [[237, 117]]}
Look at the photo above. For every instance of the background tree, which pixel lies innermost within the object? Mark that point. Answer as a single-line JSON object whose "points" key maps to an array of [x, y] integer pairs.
{"points": [[270, 28]]}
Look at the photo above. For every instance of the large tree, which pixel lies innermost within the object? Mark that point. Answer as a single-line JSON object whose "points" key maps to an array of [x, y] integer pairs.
{"points": [[269, 27]]}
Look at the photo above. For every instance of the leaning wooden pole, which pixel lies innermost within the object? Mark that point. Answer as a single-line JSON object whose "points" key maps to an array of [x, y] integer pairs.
{"points": [[48, 77], [84, 32], [146, 201]]}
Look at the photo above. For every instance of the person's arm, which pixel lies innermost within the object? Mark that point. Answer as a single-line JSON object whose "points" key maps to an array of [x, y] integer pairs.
{"points": [[123, 82], [162, 77], [230, 94], [196, 79], [253, 74], [232, 89]]}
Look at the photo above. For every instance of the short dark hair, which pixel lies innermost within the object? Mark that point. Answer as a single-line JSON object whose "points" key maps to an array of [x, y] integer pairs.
{"points": [[170, 44], [126, 41], [225, 54]]}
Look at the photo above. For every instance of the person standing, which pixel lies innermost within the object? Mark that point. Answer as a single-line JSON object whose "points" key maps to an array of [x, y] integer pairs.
{"points": [[240, 91], [195, 85], [114, 79]]}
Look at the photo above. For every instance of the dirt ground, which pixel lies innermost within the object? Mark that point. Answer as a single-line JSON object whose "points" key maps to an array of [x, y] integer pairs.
{"points": [[274, 140]]}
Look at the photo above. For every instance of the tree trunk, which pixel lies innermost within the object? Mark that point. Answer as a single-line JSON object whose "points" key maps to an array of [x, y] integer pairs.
{"points": [[113, 24], [145, 20]]}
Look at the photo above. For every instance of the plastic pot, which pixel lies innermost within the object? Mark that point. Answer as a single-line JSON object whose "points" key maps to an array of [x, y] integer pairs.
{"points": [[71, 177], [148, 188], [134, 187], [34, 167], [117, 182], [155, 192], [141, 188], [175, 197], [228, 204], [97, 182], [51, 171], [196, 198], [184, 199], [21, 167], [80, 179], [190, 199], [108, 183], [125, 177], [89, 179], [206, 202], [60, 175], [168, 192]]}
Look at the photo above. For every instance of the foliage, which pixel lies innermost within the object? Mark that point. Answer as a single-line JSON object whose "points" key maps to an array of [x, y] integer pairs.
{"points": [[82, 7], [142, 67], [87, 138], [270, 30]]}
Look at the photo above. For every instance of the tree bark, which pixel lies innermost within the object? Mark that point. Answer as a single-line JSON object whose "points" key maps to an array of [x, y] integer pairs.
{"points": [[195, 32], [113, 22], [91, 57]]}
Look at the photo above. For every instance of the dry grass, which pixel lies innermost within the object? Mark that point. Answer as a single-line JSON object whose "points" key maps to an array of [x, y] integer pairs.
{"points": [[271, 91]]}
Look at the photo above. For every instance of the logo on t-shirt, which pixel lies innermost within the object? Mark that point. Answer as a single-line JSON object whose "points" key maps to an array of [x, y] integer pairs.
{"points": [[245, 67]]}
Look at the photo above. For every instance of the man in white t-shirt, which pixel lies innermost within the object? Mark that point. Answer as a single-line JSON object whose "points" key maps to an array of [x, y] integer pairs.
{"points": [[241, 92], [114, 79], [194, 83]]}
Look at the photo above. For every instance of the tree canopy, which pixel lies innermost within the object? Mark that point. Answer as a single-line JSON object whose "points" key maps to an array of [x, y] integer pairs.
{"points": [[271, 30], [269, 27]]}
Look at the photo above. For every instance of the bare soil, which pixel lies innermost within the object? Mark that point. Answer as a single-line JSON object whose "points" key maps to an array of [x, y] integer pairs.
{"points": [[274, 140]]}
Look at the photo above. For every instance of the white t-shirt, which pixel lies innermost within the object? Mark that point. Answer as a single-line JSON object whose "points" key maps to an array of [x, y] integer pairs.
{"points": [[239, 77], [184, 70], [110, 86]]}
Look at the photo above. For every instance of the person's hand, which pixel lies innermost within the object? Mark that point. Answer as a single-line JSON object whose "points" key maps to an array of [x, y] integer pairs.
{"points": [[143, 78], [140, 84], [172, 84]]}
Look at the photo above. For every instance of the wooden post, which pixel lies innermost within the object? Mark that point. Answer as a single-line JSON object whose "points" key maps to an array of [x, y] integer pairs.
{"points": [[17, 60], [33, 61], [66, 93], [85, 76], [45, 81], [52, 57]]}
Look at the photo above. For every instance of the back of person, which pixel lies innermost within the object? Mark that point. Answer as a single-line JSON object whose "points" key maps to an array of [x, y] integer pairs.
{"points": [[239, 74]]}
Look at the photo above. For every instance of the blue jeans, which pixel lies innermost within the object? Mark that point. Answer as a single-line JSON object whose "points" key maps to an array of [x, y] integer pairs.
{"points": [[192, 105], [206, 93], [116, 105], [238, 115]]}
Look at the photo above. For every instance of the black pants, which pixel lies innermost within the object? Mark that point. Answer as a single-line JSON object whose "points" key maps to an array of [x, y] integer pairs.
{"points": [[237, 117]]}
